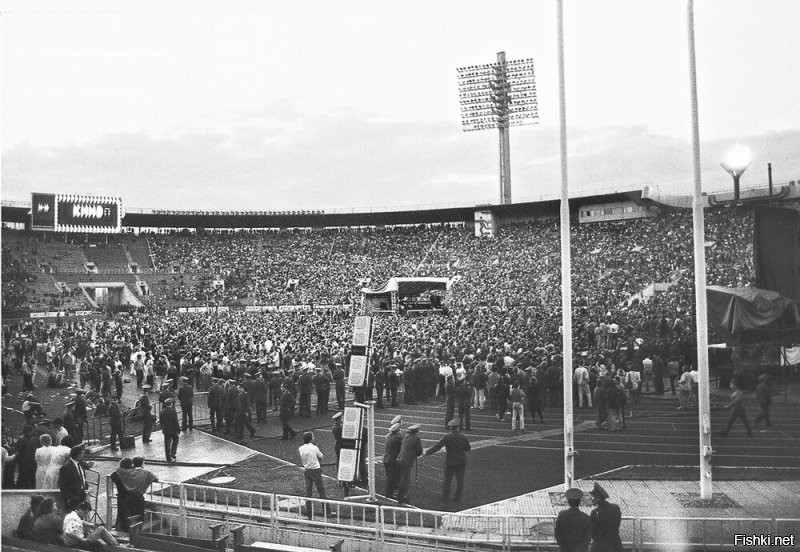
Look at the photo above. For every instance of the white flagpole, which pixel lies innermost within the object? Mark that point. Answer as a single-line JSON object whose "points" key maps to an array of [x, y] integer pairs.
{"points": [[566, 265], [701, 313]]}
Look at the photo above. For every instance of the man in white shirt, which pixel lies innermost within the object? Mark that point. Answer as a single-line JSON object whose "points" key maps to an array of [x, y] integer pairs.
{"points": [[311, 458], [82, 534], [582, 379]]}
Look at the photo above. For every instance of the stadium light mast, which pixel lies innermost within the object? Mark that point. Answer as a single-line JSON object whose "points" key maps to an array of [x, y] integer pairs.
{"points": [[701, 312], [566, 266], [735, 162], [499, 95]]}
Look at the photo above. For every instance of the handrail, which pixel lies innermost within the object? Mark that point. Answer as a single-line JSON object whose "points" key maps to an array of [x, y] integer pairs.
{"points": [[183, 505]]}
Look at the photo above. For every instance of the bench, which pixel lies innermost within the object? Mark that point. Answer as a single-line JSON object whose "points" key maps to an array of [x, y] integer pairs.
{"points": [[174, 543], [239, 546]]}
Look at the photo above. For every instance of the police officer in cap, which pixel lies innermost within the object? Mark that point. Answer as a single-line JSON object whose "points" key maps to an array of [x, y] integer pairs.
{"points": [[573, 529], [606, 519], [455, 462], [394, 441], [409, 451]]}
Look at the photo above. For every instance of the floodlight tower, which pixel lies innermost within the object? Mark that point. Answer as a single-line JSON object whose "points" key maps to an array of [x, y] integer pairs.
{"points": [[499, 95]]}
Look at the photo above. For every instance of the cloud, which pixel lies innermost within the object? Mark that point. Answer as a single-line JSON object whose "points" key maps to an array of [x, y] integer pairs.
{"points": [[280, 158]]}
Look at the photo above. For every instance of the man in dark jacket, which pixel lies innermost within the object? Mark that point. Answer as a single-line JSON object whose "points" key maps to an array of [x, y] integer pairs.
{"points": [[186, 398], [243, 413], [81, 414], [455, 462], [231, 403], [394, 441], [146, 414], [464, 402], [341, 386], [72, 479], [306, 384], [393, 384], [409, 451], [259, 397], [573, 530], [287, 412], [606, 519], [216, 402], [322, 385], [170, 427], [115, 421]]}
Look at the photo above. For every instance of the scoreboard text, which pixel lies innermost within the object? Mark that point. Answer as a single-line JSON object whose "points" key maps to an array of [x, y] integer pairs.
{"points": [[75, 213]]}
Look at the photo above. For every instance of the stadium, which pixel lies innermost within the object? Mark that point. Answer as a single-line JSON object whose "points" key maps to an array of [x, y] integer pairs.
{"points": [[249, 373]]}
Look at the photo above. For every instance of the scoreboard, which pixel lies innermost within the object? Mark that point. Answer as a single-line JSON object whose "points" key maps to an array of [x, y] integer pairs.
{"points": [[76, 213]]}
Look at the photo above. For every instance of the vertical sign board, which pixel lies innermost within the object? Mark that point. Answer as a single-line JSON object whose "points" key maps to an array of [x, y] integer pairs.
{"points": [[362, 331], [43, 211], [359, 359], [352, 422], [485, 224], [358, 371]]}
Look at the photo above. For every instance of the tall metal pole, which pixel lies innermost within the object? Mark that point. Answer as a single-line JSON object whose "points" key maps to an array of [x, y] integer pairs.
{"points": [[371, 450], [769, 176], [566, 265], [701, 313], [501, 107]]}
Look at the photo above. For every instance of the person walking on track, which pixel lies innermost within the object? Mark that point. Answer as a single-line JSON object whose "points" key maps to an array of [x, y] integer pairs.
{"points": [[737, 411]]}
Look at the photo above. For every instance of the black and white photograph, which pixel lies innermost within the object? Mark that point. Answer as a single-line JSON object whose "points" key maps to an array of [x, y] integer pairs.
{"points": [[379, 276]]}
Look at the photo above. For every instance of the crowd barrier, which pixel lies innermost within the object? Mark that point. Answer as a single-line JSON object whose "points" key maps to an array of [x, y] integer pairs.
{"points": [[185, 509]]}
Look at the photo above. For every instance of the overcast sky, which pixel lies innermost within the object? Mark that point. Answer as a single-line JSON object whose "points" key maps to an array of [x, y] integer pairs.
{"points": [[354, 103]]}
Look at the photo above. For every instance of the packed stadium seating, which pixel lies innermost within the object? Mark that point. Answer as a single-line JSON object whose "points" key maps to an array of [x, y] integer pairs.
{"points": [[516, 273]]}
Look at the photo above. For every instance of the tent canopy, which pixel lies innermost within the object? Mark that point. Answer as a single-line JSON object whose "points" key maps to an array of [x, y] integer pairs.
{"points": [[410, 287], [734, 311]]}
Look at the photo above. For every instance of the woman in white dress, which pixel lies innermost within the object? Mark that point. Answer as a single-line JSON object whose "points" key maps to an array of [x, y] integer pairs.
{"points": [[42, 457], [58, 456]]}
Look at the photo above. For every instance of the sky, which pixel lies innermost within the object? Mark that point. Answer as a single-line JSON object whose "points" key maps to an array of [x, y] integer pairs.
{"points": [[353, 104]]}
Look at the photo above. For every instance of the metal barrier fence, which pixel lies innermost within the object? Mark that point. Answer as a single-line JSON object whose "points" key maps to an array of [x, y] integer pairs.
{"points": [[186, 509], [97, 429]]}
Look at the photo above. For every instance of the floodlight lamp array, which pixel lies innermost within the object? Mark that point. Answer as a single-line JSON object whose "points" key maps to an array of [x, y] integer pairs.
{"points": [[497, 95]]}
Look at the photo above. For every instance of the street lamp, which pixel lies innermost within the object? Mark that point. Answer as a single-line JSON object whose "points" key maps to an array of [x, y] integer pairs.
{"points": [[736, 161]]}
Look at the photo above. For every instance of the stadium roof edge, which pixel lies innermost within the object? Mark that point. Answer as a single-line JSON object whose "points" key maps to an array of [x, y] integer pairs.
{"points": [[17, 212]]}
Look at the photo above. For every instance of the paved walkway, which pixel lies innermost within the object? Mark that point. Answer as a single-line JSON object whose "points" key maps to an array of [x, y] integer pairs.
{"points": [[198, 453], [647, 498]]}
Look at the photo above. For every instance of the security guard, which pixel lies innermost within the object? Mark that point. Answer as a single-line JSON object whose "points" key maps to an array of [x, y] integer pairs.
{"points": [[455, 461], [606, 519], [410, 449], [573, 529], [394, 441]]}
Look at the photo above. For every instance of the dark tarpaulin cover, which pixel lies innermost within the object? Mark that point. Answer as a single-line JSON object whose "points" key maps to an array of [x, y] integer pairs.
{"points": [[732, 311], [776, 237]]}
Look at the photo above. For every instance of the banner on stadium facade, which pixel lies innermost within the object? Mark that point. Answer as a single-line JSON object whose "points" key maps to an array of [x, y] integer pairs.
{"points": [[55, 314], [269, 308], [294, 308]]}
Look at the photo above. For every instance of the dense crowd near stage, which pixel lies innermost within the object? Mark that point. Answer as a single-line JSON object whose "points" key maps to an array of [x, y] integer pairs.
{"points": [[501, 328]]}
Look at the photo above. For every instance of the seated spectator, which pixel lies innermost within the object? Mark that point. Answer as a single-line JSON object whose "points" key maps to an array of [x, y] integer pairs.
{"points": [[48, 525], [25, 527], [81, 534]]}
